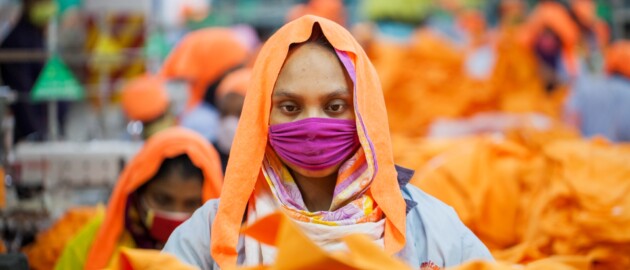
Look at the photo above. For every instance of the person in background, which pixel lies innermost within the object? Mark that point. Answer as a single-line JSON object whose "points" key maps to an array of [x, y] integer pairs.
{"points": [[174, 173], [27, 34], [600, 104], [145, 99], [201, 59], [313, 141], [230, 96]]}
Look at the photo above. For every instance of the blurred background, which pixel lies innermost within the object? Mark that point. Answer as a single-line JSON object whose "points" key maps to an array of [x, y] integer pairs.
{"points": [[493, 103]]}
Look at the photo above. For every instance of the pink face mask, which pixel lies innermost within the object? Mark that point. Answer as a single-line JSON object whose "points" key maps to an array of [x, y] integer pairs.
{"points": [[161, 224], [315, 143]]}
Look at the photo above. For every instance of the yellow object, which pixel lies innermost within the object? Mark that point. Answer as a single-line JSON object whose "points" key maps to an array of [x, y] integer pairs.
{"points": [[147, 259], [48, 246]]}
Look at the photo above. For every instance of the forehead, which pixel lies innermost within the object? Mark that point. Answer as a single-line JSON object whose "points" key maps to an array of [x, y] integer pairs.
{"points": [[312, 66]]}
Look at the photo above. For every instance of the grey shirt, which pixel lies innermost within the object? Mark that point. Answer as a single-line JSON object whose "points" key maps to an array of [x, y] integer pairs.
{"points": [[434, 234]]}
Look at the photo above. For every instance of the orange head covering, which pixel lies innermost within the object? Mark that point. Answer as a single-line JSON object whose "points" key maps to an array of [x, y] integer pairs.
{"points": [[202, 57], [145, 98], [235, 82], [618, 58], [554, 16], [169, 143], [329, 9], [248, 150]]}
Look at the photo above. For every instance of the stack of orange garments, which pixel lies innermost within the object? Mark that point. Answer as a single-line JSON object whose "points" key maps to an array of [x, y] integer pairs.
{"points": [[490, 182], [49, 244], [584, 209], [532, 195]]}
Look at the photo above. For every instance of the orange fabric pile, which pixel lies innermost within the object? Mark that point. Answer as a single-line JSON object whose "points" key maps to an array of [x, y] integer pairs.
{"points": [[532, 195], [584, 208], [49, 244]]}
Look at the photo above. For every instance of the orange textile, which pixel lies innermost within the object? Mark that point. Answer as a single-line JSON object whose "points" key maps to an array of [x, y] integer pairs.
{"points": [[554, 16], [533, 195], [148, 259], [246, 158], [169, 143], [618, 58], [145, 98], [49, 244], [546, 264], [202, 57], [235, 82], [329, 9], [297, 251], [489, 182], [583, 210]]}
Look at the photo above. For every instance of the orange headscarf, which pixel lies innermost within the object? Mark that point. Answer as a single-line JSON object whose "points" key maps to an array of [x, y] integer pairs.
{"points": [[145, 98], [202, 57], [618, 58], [235, 82], [555, 17], [248, 150], [329, 9], [166, 144]]}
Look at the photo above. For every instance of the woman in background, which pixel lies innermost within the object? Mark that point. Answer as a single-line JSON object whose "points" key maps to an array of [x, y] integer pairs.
{"points": [[176, 171]]}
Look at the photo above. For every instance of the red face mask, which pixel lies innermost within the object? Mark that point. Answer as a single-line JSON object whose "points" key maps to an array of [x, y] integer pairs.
{"points": [[161, 223]]}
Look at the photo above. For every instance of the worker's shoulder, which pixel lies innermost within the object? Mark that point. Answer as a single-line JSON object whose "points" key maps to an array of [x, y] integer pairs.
{"points": [[432, 212], [208, 211]]}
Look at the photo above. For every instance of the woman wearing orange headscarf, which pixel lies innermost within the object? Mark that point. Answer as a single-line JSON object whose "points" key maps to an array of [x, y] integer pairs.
{"points": [[145, 99], [174, 173], [230, 97], [202, 59], [313, 142]]}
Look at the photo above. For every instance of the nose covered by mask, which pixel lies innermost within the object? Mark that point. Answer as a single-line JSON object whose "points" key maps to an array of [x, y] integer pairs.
{"points": [[161, 223], [315, 143], [227, 131]]}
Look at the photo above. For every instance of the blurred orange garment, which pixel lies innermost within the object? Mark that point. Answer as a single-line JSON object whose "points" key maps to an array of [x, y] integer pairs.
{"points": [[329, 9], [145, 98], [618, 58], [202, 57], [147, 259], [49, 244]]}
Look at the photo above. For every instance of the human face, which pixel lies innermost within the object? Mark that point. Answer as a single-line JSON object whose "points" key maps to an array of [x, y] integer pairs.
{"points": [[311, 84], [173, 193]]}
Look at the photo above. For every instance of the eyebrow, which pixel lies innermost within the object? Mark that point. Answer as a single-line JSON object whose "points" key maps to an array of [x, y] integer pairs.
{"points": [[284, 93], [341, 92]]}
